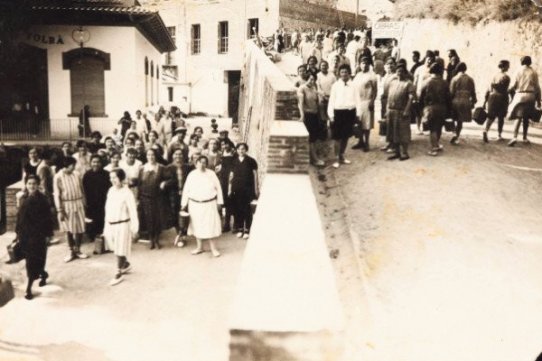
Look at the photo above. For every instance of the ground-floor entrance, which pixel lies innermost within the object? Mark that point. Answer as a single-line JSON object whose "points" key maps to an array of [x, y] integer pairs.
{"points": [[24, 94], [234, 80]]}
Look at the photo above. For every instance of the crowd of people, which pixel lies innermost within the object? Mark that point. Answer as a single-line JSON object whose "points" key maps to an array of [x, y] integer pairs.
{"points": [[341, 77], [117, 191]]}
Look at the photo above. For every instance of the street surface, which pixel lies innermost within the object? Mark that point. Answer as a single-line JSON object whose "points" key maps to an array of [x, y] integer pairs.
{"points": [[172, 306], [450, 251]]}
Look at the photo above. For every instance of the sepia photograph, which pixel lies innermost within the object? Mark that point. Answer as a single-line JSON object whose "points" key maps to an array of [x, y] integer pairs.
{"points": [[270, 180]]}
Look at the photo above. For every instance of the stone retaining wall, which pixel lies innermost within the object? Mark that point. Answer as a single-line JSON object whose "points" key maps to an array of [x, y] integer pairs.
{"points": [[481, 46]]}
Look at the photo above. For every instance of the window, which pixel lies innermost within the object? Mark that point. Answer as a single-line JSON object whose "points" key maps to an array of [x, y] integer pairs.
{"points": [[170, 56], [146, 82], [87, 86], [170, 93], [223, 37], [195, 43], [253, 28]]}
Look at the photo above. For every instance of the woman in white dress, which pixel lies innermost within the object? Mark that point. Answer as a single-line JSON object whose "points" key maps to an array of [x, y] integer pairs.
{"points": [[202, 196], [121, 222]]}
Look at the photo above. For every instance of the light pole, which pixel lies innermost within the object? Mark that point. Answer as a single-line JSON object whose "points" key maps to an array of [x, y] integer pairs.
{"points": [[82, 36]]}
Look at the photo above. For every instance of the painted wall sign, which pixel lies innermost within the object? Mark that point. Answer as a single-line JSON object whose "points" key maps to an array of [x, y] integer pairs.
{"points": [[387, 29], [44, 39]]}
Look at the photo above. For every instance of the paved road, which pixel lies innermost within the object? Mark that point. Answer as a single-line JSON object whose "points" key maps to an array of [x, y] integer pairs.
{"points": [[451, 248], [173, 306]]}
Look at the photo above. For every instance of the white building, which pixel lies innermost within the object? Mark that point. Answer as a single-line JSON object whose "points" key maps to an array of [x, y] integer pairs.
{"points": [[203, 74], [104, 54]]}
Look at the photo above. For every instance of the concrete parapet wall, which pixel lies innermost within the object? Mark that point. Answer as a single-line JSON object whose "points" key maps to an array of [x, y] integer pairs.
{"points": [[286, 305], [268, 98]]}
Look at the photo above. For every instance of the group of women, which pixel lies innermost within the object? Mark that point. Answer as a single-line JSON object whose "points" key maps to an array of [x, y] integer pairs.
{"points": [[443, 96], [138, 190]]}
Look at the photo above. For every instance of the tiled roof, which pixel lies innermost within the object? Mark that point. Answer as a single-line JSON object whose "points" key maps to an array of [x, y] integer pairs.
{"points": [[106, 9]]}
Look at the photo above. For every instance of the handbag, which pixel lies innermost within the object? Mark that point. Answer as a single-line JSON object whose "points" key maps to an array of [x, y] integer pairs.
{"points": [[383, 129], [449, 126], [537, 114], [479, 115], [15, 252], [99, 245], [357, 129], [425, 126]]}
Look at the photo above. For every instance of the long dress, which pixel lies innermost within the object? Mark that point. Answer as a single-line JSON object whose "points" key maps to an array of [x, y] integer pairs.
{"points": [[121, 220], [436, 100], [96, 185], [398, 124], [463, 96], [151, 202], [497, 101], [34, 225], [174, 186], [69, 198], [527, 92], [366, 85], [202, 193]]}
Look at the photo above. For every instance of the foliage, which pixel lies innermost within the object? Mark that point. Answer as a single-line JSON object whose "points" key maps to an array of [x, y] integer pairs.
{"points": [[472, 11]]}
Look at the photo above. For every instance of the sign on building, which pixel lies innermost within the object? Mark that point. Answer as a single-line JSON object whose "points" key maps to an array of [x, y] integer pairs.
{"points": [[388, 30]]}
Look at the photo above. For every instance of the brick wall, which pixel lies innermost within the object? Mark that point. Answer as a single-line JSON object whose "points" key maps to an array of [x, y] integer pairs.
{"points": [[11, 206], [288, 154], [321, 13]]}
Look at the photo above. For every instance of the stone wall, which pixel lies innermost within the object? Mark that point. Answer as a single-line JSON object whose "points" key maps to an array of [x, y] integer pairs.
{"points": [[315, 14], [481, 46], [268, 96]]}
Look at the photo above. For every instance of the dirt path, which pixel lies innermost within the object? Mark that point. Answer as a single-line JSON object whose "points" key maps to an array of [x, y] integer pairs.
{"points": [[450, 249]]}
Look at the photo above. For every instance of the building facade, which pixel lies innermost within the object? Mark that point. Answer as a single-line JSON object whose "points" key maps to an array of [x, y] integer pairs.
{"points": [[203, 74], [106, 55]]}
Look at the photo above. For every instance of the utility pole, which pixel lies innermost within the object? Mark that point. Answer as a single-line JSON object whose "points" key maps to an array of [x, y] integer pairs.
{"points": [[357, 12]]}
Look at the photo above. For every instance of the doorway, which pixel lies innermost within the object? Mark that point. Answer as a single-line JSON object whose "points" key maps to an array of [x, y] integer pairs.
{"points": [[24, 96], [234, 80]]}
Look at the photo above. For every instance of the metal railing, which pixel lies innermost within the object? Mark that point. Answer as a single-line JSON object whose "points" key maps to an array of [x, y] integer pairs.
{"points": [[29, 129]]}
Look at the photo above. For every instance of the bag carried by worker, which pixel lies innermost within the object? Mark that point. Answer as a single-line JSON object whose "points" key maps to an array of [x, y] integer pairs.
{"points": [[479, 115], [449, 125], [99, 245], [383, 129], [537, 114], [357, 129], [15, 252]]}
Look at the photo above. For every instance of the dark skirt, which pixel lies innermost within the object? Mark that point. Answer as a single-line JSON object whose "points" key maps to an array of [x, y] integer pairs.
{"points": [[35, 253], [151, 215], [317, 129], [497, 105], [435, 115], [342, 127]]}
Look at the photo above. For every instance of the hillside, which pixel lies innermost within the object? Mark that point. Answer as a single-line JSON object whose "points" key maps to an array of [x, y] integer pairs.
{"points": [[466, 10]]}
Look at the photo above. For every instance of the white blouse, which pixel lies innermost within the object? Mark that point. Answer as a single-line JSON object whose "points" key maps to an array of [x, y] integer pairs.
{"points": [[201, 186]]}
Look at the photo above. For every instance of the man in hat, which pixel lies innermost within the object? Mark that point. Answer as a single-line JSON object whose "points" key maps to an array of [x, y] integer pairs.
{"points": [[177, 142], [95, 142], [223, 137], [366, 88]]}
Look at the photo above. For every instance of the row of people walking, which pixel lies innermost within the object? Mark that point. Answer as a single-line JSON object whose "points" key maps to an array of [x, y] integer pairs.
{"points": [[134, 195], [421, 96]]}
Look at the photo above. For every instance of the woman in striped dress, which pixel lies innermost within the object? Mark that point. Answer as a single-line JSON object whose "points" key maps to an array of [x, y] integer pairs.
{"points": [[70, 206], [121, 222]]}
